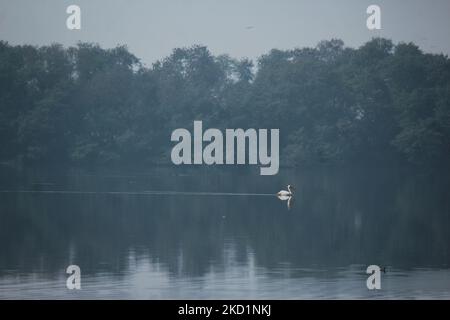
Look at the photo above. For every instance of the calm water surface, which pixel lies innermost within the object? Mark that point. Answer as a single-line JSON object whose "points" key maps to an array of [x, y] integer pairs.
{"points": [[189, 234]]}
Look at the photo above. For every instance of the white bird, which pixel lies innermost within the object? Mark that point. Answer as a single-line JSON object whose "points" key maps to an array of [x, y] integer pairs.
{"points": [[288, 193]]}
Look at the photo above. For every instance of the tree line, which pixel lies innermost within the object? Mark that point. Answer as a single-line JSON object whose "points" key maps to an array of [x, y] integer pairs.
{"points": [[379, 103]]}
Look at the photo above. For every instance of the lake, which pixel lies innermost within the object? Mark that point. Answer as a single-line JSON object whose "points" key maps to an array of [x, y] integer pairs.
{"points": [[202, 233]]}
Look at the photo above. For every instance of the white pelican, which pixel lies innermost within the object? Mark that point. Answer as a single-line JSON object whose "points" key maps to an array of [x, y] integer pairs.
{"points": [[284, 193]]}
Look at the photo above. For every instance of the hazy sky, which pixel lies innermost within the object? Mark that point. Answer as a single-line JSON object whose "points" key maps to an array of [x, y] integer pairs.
{"points": [[152, 28]]}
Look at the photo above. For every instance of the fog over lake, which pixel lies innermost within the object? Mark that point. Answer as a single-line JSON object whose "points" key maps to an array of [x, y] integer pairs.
{"points": [[210, 149]]}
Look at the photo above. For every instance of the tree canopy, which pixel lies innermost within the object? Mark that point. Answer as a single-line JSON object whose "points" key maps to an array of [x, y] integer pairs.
{"points": [[333, 104]]}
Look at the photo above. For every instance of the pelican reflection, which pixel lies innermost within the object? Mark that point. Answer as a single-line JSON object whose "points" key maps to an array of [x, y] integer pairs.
{"points": [[289, 199]]}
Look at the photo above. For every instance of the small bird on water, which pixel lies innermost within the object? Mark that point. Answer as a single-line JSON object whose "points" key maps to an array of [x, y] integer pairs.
{"points": [[288, 193]]}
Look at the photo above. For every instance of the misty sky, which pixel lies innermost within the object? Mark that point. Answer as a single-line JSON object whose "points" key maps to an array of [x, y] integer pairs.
{"points": [[241, 28]]}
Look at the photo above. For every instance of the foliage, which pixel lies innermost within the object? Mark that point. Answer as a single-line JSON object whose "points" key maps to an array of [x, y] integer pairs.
{"points": [[333, 104]]}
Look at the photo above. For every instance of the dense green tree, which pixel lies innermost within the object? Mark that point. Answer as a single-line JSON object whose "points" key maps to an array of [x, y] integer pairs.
{"points": [[380, 103]]}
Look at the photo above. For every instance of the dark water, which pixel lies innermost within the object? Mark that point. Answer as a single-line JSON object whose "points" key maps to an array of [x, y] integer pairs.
{"points": [[173, 233]]}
